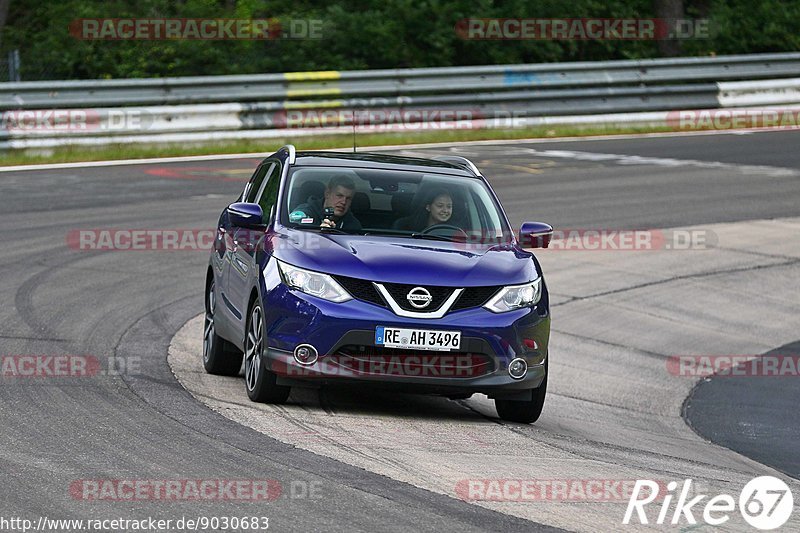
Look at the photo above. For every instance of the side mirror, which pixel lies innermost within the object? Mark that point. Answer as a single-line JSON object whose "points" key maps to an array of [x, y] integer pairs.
{"points": [[535, 235], [245, 215]]}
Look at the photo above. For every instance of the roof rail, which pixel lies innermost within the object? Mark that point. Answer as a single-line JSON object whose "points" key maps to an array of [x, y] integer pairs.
{"points": [[292, 153], [458, 160]]}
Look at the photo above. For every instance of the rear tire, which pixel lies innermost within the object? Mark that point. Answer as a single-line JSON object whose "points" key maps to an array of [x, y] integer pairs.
{"points": [[261, 384], [525, 412], [219, 356]]}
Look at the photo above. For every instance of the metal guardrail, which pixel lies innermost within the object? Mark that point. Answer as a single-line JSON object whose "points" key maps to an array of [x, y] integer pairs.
{"points": [[392, 84], [490, 93]]}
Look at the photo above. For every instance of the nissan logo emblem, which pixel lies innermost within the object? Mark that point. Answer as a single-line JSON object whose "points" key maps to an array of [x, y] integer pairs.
{"points": [[419, 297]]}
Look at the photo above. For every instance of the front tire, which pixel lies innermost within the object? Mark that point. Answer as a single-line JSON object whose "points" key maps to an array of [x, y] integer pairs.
{"points": [[219, 356], [261, 384], [525, 412]]}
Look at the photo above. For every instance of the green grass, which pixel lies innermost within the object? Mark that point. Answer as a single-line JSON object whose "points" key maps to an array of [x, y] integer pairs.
{"points": [[141, 151]]}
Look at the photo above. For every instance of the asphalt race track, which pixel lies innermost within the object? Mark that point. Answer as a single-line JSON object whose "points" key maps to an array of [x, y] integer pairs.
{"points": [[760, 409], [376, 462]]}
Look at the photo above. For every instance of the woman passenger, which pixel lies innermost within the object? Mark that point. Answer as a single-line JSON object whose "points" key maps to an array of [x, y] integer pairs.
{"points": [[437, 208]]}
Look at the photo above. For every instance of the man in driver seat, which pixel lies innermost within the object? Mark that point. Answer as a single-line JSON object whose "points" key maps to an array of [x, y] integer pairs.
{"points": [[338, 198]]}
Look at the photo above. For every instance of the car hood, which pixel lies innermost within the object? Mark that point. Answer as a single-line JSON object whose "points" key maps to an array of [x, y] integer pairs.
{"points": [[398, 260]]}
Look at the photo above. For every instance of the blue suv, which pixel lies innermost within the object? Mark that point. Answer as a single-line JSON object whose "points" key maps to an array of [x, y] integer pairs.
{"points": [[370, 269]]}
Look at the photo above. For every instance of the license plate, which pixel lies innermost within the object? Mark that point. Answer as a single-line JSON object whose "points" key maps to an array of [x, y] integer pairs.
{"points": [[420, 339]]}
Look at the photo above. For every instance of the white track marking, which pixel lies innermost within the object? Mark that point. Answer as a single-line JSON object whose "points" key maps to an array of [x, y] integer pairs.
{"points": [[158, 160]]}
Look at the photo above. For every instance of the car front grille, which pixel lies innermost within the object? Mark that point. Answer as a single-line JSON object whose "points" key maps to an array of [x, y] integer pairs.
{"points": [[399, 292], [474, 297], [361, 289], [364, 290]]}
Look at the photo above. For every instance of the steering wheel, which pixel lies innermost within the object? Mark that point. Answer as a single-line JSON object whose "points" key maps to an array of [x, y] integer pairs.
{"points": [[435, 227]]}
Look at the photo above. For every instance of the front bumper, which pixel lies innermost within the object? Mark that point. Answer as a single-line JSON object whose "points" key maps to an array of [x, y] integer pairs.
{"points": [[343, 335]]}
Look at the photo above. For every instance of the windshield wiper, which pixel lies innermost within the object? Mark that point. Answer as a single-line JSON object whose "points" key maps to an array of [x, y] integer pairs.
{"points": [[392, 232], [336, 231], [322, 230], [431, 237]]}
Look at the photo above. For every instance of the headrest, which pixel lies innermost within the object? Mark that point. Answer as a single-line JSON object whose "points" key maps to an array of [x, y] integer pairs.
{"points": [[401, 202], [361, 202], [307, 190]]}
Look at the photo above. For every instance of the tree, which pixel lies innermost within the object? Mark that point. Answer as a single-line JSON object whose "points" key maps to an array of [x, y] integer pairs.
{"points": [[671, 10], [4, 5]]}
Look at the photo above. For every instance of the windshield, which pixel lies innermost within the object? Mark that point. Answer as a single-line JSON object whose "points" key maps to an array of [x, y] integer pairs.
{"points": [[391, 202]]}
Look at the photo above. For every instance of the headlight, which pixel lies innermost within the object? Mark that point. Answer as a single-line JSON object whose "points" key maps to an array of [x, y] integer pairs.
{"points": [[515, 297], [314, 283]]}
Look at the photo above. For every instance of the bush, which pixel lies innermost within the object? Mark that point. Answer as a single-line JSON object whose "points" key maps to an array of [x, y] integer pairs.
{"points": [[363, 35]]}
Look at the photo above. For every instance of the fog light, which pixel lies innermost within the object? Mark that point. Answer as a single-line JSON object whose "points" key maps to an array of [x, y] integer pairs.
{"points": [[518, 368], [305, 354]]}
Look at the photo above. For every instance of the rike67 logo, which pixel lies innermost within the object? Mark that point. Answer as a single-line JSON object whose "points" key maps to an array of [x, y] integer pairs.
{"points": [[765, 503]]}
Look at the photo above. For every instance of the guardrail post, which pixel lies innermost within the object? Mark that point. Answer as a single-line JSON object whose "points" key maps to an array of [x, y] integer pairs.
{"points": [[13, 65]]}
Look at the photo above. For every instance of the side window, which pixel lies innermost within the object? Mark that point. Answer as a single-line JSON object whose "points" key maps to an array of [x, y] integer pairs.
{"points": [[268, 196], [248, 185], [258, 188], [256, 183]]}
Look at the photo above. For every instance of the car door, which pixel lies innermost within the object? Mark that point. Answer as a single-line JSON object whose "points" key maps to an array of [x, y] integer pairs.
{"points": [[247, 240], [226, 247]]}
